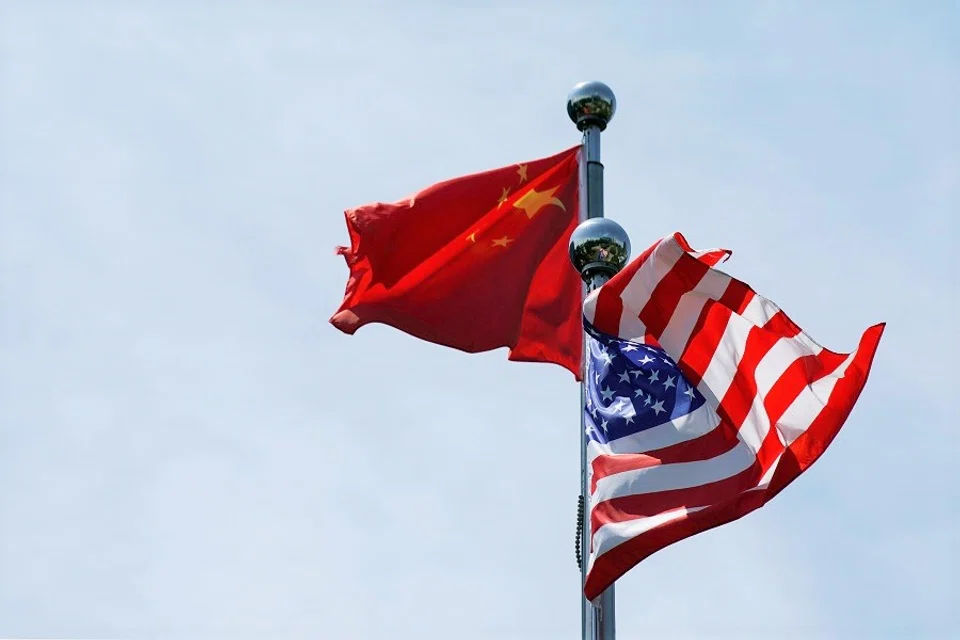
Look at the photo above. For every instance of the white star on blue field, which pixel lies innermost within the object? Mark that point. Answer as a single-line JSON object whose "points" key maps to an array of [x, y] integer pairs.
{"points": [[635, 387]]}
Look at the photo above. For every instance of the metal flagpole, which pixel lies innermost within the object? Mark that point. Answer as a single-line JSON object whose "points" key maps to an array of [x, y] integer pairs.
{"points": [[599, 248]]}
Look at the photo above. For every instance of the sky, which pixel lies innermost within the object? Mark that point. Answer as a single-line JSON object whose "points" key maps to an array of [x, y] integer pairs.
{"points": [[189, 450]]}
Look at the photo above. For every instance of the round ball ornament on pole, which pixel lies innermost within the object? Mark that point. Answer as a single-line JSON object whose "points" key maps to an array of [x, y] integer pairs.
{"points": [[599, 249], [591, 104]]}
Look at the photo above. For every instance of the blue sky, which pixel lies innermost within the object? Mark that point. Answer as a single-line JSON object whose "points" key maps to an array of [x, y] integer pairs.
{"points": [[188, 449]]}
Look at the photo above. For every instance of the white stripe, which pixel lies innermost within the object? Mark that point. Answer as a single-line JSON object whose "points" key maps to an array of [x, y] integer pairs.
{"points": [[757, 312], [726, 360], [767, 476], [811, 401], [809, 343], [687, 427], [667, 477], [677, 333], [769, 371], [699, 255], [634, 295], [631, 327], [614, 534], [637, 292], [590, 305], [760, 310]]}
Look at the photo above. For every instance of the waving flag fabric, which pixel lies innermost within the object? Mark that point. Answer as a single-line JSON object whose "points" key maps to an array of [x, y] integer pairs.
{"points": [[704, 400], [474, 263]]}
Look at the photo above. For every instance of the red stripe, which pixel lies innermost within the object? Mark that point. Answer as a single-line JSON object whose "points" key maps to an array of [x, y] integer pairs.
{"points": [[735, 406], [780, 324], [609, 309], [681, 279], [644, 505], [609, 303], [803, 372], [770, 448], [710, 258], [613, 564], [798, 376], [682, 241], [650, 339], [737, 296], [715, 442], [782, 394], [703, 343], [806, 449], [713, 258]]}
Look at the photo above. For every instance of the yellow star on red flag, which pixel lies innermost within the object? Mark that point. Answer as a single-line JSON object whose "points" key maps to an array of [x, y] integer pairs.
{"points": [[533, 201]]}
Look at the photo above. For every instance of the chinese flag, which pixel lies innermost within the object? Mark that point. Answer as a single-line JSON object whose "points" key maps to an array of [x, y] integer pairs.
{"points": [[474, 263]]}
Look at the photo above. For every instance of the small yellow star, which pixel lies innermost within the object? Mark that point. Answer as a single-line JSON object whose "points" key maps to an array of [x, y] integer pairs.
{"points": [[532, 201], [522, 172], [503, 197], [502, 242]]}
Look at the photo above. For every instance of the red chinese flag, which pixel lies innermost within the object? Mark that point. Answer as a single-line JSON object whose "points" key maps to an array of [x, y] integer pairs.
{"points": [[474, 263]]}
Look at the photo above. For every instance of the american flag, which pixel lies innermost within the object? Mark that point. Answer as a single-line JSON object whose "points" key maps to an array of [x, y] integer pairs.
{"points": [[704, 400]]}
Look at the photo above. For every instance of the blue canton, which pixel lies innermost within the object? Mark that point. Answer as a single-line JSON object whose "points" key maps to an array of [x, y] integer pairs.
{"points": [[631, 387]]}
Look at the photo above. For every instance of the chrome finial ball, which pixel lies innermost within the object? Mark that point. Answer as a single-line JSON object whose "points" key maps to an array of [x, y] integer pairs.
{"points": [[599, 245], [591, 103]]}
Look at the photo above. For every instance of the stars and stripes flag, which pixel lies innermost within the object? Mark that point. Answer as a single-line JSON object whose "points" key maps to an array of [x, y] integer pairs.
{"points": [[704, 400]]}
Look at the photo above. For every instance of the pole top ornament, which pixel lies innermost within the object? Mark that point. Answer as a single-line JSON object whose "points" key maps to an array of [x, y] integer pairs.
{"points": [[591, 104], [599, 245]]}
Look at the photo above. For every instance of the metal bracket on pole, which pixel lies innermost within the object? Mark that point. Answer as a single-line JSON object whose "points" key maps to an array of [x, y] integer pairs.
{"points": [[599, 248]]}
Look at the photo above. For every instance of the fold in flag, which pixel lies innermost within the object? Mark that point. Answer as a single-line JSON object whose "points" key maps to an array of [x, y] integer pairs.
{"points": [[474, 263], [704, 400]]}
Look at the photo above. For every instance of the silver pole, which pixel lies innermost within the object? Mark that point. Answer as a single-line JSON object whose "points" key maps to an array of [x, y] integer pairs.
{"points": [[598, 248]]}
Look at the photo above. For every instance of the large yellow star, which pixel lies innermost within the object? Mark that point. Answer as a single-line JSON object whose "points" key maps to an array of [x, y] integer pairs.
{"points": [[532, 201], [522, 172], [502, 242]]}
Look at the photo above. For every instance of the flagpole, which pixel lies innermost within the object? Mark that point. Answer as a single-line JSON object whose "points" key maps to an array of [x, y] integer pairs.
{"points": [[599, 248]]}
